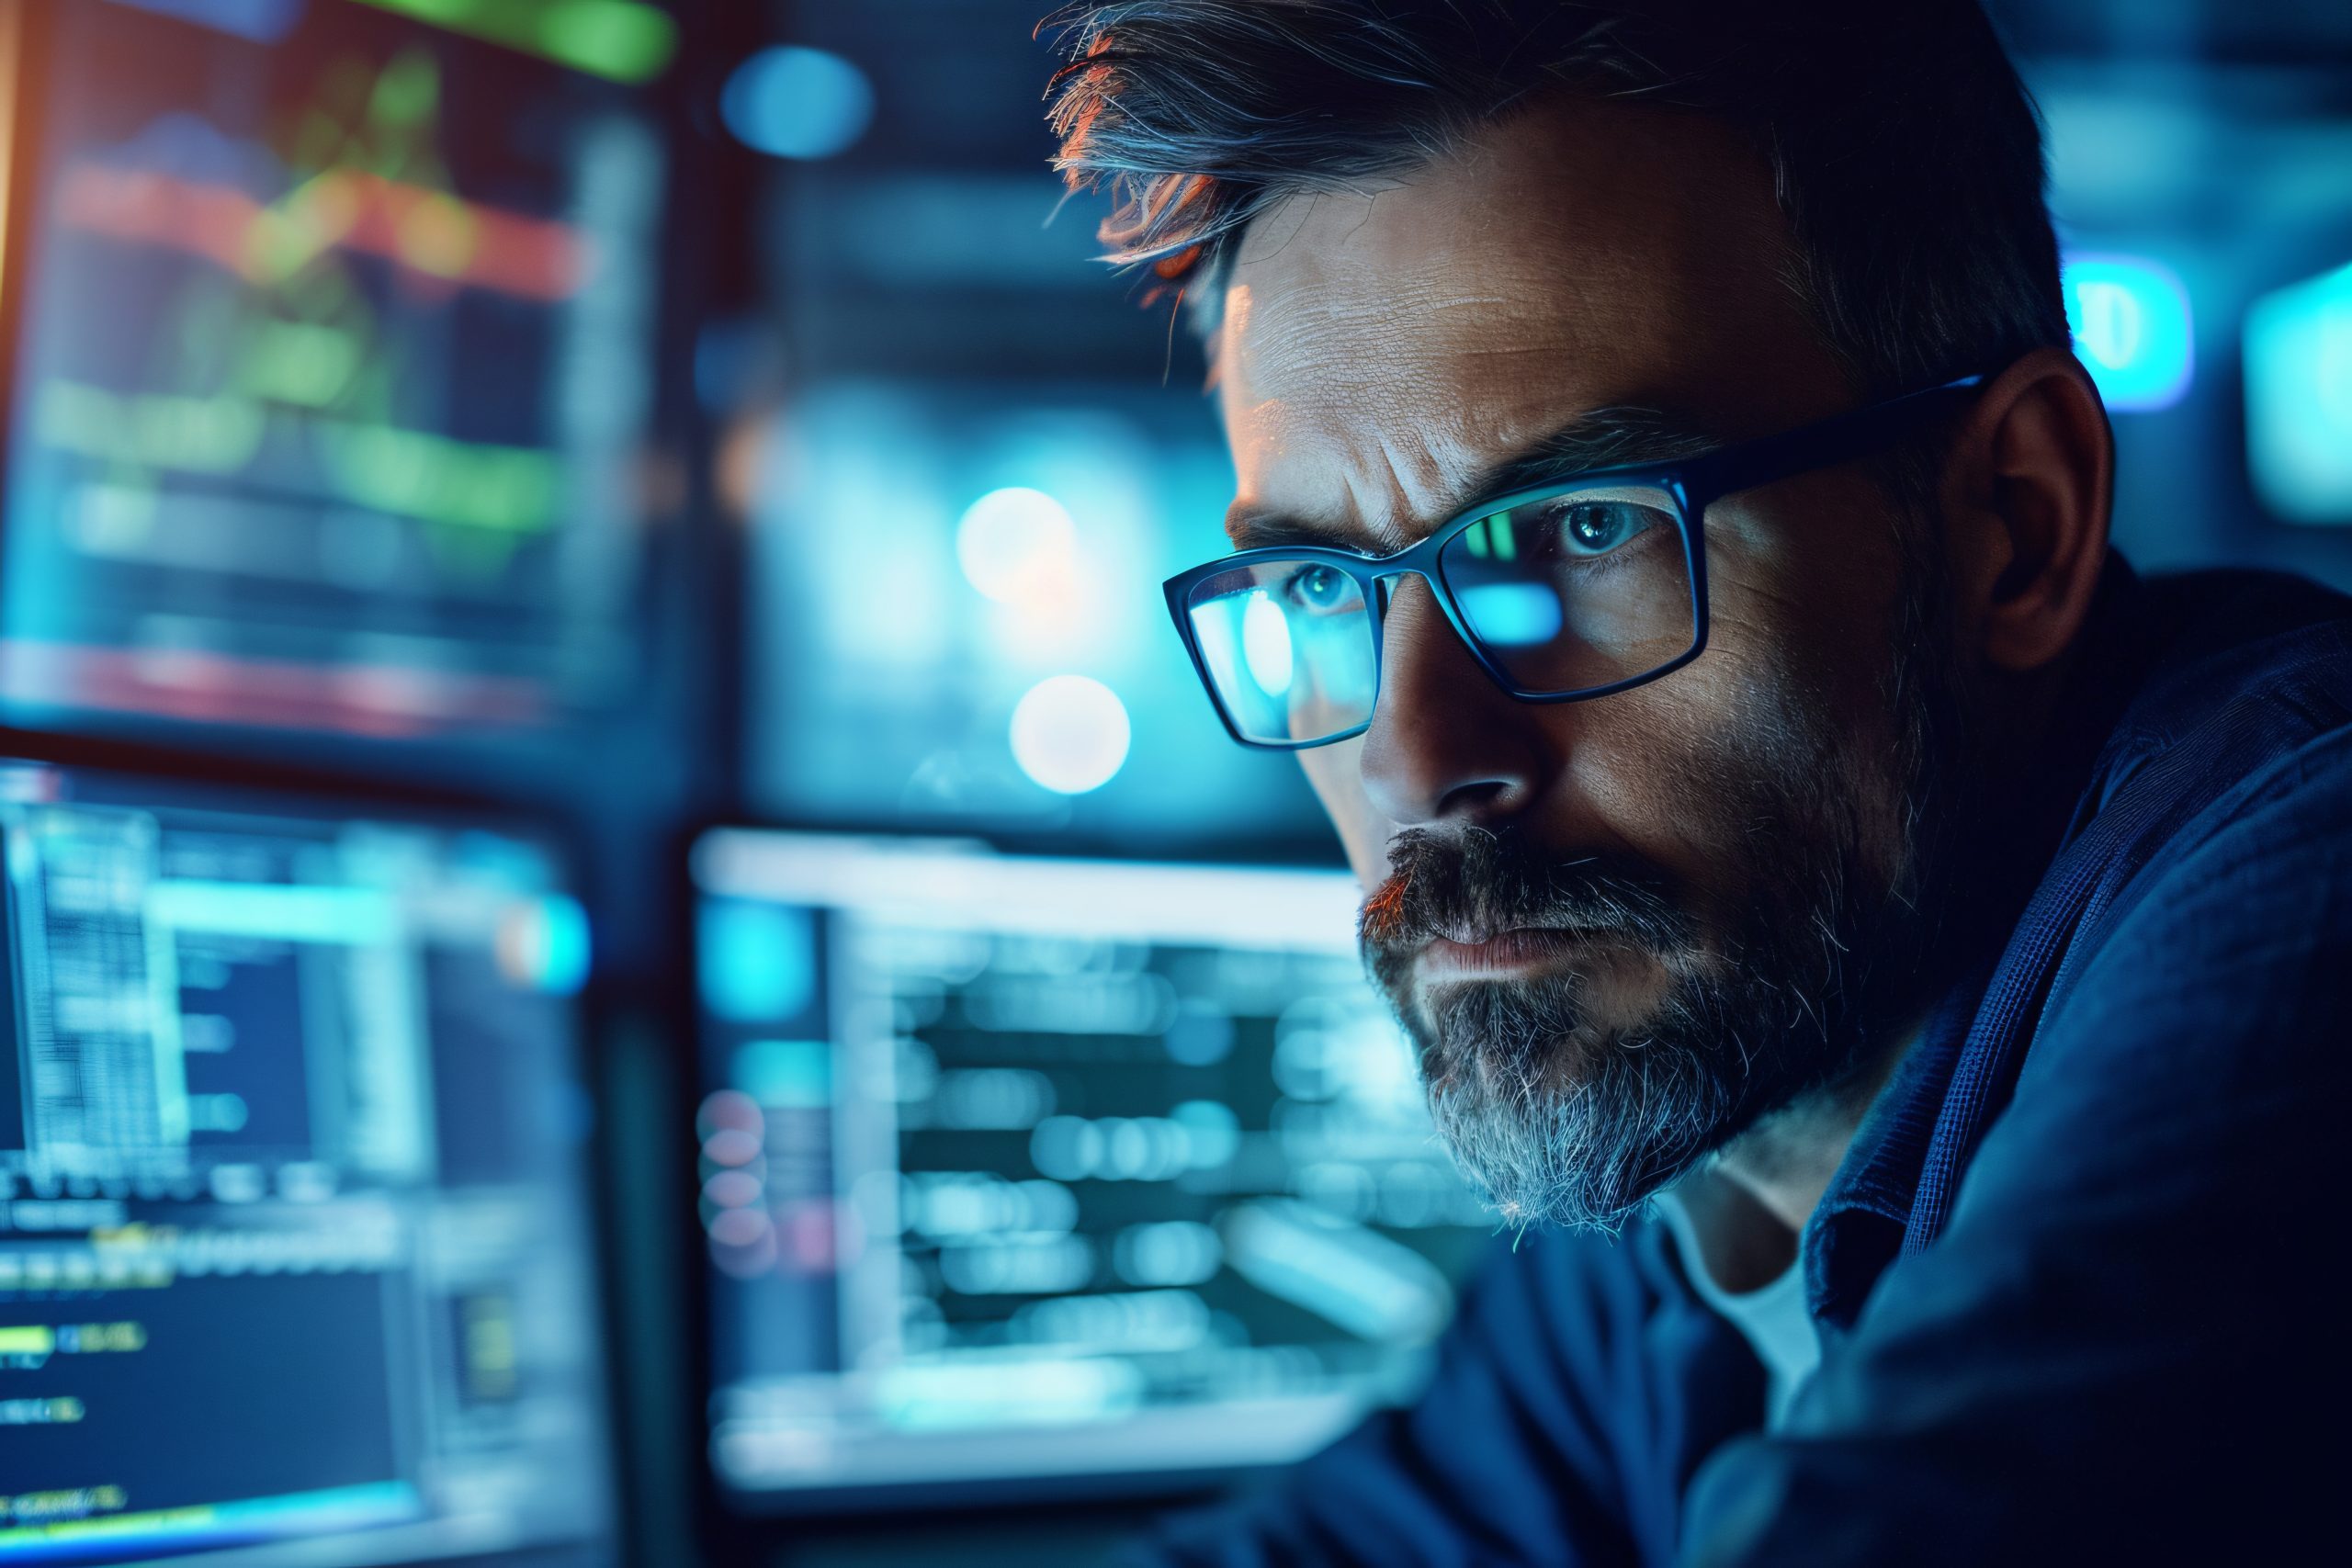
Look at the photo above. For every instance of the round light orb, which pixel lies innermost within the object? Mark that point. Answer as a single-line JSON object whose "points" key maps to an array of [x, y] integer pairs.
{"points": [[1071, 734], [1012, 542], [791, 102]]}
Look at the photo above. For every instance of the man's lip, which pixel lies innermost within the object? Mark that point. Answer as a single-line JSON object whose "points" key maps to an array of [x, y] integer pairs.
{"points": [[1500, 953]]}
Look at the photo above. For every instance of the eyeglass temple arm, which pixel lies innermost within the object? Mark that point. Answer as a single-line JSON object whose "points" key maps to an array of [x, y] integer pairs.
{"points": [[1838, 439]]}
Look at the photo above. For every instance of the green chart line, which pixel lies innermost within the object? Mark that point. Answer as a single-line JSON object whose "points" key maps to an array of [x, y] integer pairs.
{"points": [[621, 40]]}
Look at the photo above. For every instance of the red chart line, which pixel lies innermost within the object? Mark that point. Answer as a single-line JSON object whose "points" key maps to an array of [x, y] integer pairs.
{"points": [[432, 233]]}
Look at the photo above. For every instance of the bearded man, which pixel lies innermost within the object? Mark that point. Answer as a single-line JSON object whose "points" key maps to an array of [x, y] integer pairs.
{"points": [[1895, 962]]}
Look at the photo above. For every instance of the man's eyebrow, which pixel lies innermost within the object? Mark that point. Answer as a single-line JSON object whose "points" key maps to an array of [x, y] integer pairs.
{"points": [[1618, 436], [1256, 528]]}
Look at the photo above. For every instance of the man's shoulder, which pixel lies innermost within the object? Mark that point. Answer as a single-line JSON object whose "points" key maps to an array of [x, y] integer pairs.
{"points": [[2226, 801], [2217, 640], [2226, 675], [2212, 611], [2201, 876]]}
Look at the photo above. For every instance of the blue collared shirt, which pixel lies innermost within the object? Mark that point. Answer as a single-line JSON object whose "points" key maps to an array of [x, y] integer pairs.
{"points": [[2076, 1280]]}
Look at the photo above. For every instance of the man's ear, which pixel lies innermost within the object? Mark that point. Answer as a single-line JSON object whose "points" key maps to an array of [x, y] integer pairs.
{"points": [[2027, 489]]}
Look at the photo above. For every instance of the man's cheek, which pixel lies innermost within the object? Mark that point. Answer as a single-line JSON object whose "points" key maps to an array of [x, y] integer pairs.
{"points": [[1336, 774], [1808, 584], [1753, 606], [1667, 777]]}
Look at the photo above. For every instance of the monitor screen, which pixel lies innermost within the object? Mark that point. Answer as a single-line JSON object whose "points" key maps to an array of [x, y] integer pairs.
{"points": [[1025, 1169], [295, 1263], [334, 347]]}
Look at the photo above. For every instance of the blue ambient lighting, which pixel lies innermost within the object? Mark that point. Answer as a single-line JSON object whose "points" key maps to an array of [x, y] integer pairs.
{"points": [[563, 945], [797, 102], [2133, 331], [543, 944], [786, 1075], [758, 960], [262, 21], [2298, 399]]}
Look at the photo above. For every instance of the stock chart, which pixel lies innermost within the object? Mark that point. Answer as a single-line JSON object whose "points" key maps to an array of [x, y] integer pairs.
{"points": [[333, 378]]}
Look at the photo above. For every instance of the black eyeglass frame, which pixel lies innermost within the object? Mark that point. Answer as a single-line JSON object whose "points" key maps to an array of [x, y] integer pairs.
{"points": [[1694, 484]]}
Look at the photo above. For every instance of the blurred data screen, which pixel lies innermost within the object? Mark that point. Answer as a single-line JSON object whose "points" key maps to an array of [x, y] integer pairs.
{"points": [[1027, 1168], [335, 339], [294, 1248]]}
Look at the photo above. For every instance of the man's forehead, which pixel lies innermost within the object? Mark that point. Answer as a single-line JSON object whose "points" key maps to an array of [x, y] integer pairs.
{"points": [[1386, 423], [1346, 308], [1382, 348]]}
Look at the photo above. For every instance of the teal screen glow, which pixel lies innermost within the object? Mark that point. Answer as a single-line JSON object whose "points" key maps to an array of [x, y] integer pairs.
{"points": [[2132, 330], [2298, 399]]}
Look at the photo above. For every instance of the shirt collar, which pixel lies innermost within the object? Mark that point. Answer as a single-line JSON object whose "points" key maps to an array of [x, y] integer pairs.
{"points": [[1856, 1228]]}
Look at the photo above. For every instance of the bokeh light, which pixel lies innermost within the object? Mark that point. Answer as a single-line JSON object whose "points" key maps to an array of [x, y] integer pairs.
{"points": [[2132, 329], [791, 102], [1016, 545], [2298, 399], [1071, 734]]}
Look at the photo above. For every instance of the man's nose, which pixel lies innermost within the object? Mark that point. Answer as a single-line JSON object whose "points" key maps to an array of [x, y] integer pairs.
{"points": [[1446, 743]]}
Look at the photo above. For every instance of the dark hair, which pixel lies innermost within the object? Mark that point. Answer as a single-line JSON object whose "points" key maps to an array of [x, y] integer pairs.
{"points": [[1905, 153]]}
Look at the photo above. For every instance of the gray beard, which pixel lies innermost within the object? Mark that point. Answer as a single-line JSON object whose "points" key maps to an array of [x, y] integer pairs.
{"points": [[1555, 1125], [1559, 1117]]}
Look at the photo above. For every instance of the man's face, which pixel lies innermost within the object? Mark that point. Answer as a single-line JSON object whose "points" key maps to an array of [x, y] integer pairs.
{"points": [[1619, 930]]}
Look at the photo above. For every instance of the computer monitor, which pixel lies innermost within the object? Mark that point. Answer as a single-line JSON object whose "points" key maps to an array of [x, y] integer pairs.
{"points": [[1022, 1173], [333, 342], [296, 1259]]}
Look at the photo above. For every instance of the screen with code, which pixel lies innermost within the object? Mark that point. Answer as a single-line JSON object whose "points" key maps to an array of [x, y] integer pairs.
{"points": [[1025, 1169], [295, 1256]]}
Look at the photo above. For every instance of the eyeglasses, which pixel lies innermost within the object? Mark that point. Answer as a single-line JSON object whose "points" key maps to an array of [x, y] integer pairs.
{"points": [[1585, 587]]}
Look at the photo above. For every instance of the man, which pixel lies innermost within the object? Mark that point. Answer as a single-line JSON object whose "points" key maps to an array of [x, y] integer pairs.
{"points": [[1898, 962]]}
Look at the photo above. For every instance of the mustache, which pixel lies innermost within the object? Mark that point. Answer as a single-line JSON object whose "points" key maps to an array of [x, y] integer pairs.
{"points": [[1468, 884]]}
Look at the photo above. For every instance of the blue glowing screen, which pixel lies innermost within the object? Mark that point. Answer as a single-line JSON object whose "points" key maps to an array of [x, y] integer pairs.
{"points": [[958, 621]]}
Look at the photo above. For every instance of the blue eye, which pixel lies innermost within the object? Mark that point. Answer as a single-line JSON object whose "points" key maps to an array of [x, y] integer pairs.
{"points": [[1596, 527], [1320, 589]]}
